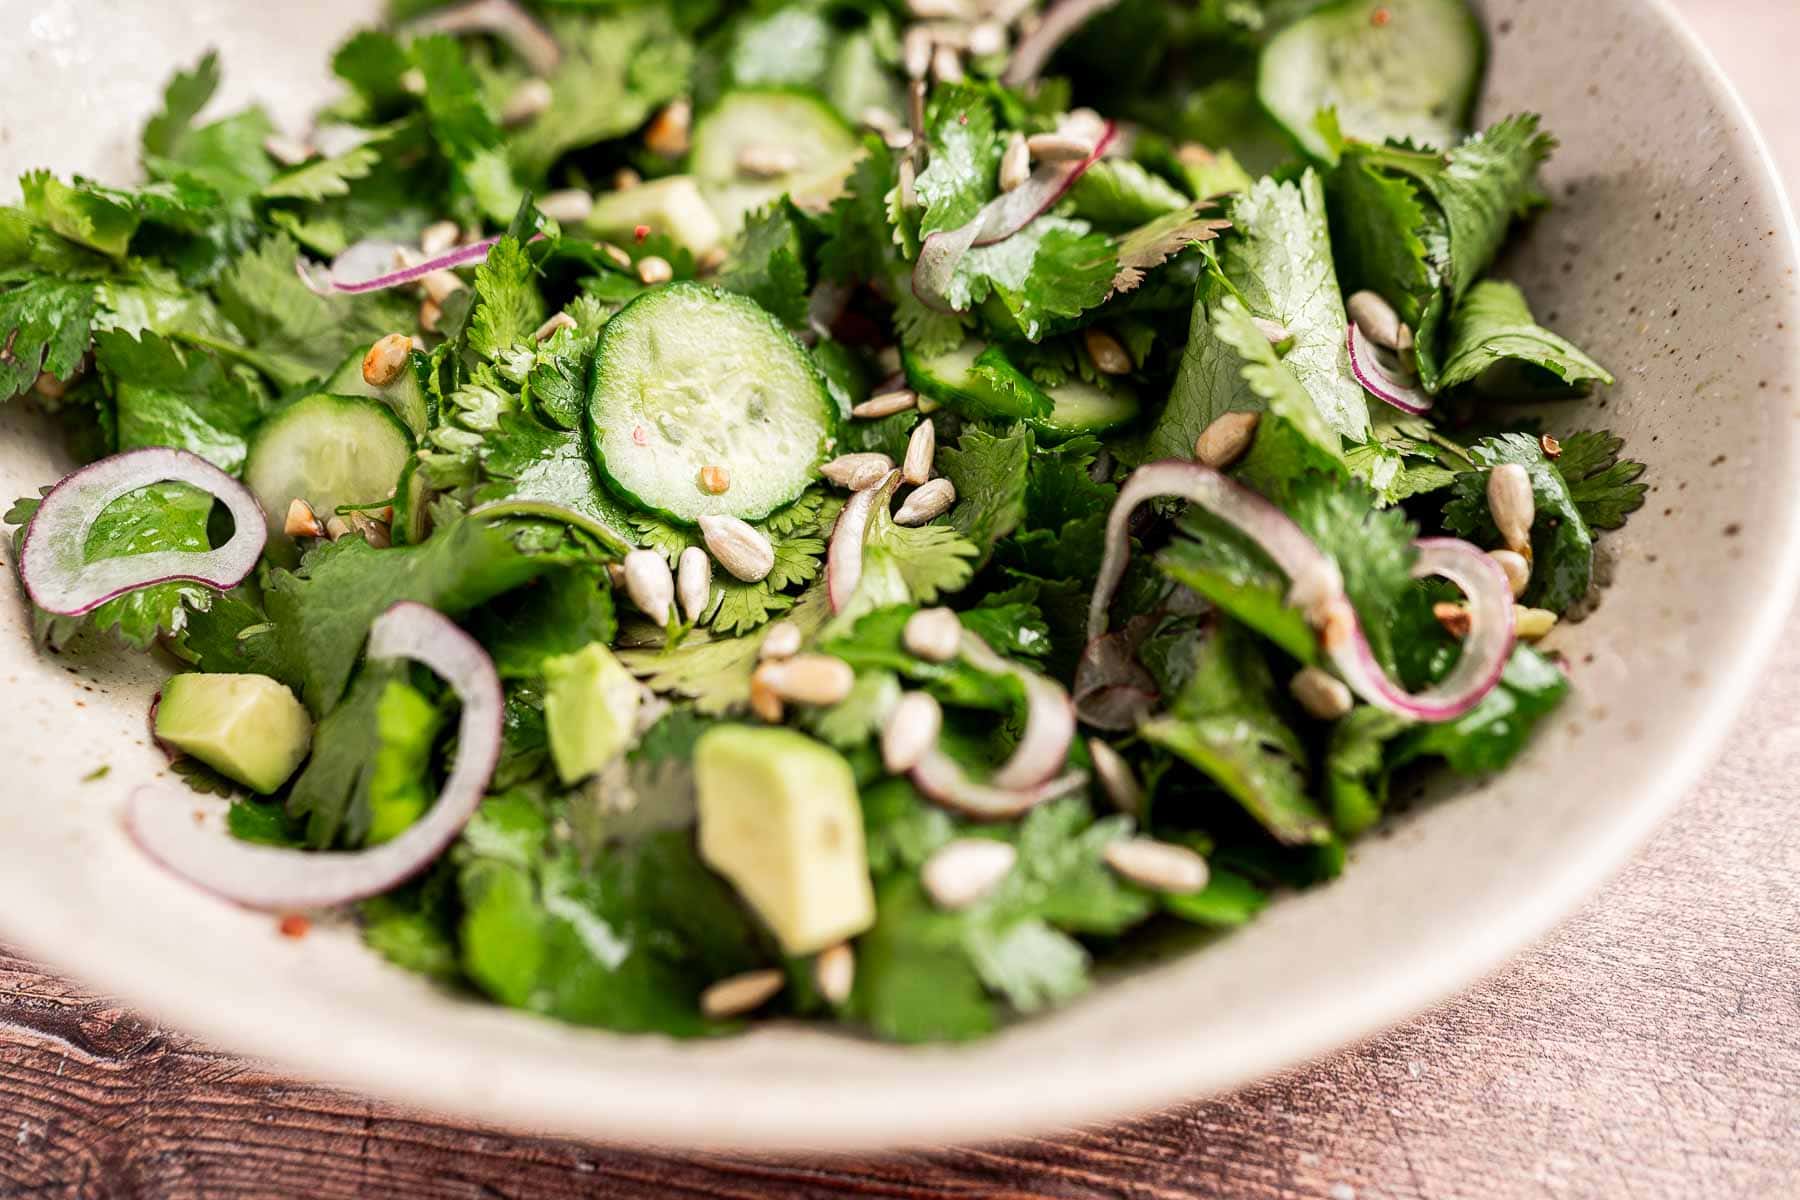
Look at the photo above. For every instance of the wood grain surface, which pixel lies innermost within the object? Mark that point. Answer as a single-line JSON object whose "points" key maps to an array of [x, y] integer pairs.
{"points": [[1651, 1048]]}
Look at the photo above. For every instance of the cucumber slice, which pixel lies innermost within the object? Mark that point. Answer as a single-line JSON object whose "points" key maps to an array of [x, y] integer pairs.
{"points": [[672, 205], [976, 380], [690, 376], [412, 496], [1081, 407], [407, 395], [1394, 69], [328, 451], [823, 147]]}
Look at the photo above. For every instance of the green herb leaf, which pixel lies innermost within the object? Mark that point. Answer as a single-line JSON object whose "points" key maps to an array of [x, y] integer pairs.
{"points": [[1603, 486], [1493, 324], [1562, 545]]}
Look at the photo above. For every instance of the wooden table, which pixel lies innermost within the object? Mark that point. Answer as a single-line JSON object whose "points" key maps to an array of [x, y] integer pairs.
{"points": [[1651, 1048]]}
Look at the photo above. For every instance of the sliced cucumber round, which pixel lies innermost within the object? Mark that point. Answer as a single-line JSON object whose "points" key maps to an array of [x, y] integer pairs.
{"points": [[328, 451], [689, 377], [976, 380], [407, 395], [1393, 69], [750, 131], [1081, 407]]}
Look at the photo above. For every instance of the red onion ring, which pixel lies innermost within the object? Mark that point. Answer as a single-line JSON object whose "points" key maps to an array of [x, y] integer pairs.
{"points": [[505, 20], [1365, 364], [844, 554], [326, 280], [1484, 651], [998, 220], [51, 560], [1049, 719], [939, 777], [1316, 587], [160, 818], [1035, 48]]}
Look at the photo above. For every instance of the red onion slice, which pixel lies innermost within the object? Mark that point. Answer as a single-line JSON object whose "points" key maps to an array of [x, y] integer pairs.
{"points": [[1113, 690], [844, 555], [1049, 719], [1312, 577], [506, 21], [1365, 364], [51, 560], [350, 271], [160, 818], [1484, 651], [1316, 588], [939, 777], [1035, 48], [998, 220]]}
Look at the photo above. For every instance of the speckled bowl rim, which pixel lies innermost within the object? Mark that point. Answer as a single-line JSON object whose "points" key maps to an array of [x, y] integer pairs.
{"points": [[666, 1097]]}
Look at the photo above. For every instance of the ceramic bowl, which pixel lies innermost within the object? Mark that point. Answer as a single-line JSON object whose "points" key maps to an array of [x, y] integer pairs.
{"points": [[1669, 254]]}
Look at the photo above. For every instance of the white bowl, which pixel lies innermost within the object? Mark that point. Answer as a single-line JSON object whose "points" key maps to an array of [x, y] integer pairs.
{"points": [[1669, 254]]}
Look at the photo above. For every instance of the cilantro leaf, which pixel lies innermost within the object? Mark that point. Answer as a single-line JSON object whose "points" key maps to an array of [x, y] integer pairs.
{"points": [[184, 96], [714, 672], [322, 177], [1603, 487], [507, 307], [566, 609], [906, 565], [1492, 325], [45, 323], [97, 218], [381, 717], [1118, 194], [1048, 273], [1160, 239], [1356, 773], [989, 473], [965, 149], [1562, 545], [769, 264], [168, 396], [464, 126], [372, 62]]}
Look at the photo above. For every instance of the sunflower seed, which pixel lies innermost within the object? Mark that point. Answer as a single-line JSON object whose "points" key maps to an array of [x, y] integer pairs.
{"points": [[693, 582], [372, 531], [1107, 353], [711, 260], [440, 284], [336, 528], [288, 151], [667, 135], [624, 179], [911, 731], [1518, 570], [921, 448], [49, 386], [740, 994], [933, 634], [1454, 618], [438, 237], [649, 584], [1225, 439], [715, 480], [1058, 147], [301, 520], [885, 405], [909, 194], [834, 973], [386, 359], [653, 270], [547, 330], [1117, 779], [1159, 866], [946, 65], [963, 871], [897, 139], [763, 700], [936, 10], [781, 641], [1550, 446], [567, 206], [858, 472], [412, 81], [816, 679], [987, 38], [616, 254], [527, 101], [1279, 335], [1015, 164], [915, 51], [760, 161], [1513, 508], [928, 502], [739, 548], [1320, 693], [1530, 624], [879, 119], [1376, 318], [430, 313]]}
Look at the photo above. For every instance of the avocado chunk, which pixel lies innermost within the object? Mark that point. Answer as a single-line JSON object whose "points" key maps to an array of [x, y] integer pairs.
{"points": [[779, 818], [671, 205], [590, 707], [246, 727]]}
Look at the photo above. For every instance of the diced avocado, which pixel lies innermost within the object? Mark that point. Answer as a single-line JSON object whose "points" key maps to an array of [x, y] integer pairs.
{"points": [[779, 818], [246, 727], [590, 707], [672, 205]]}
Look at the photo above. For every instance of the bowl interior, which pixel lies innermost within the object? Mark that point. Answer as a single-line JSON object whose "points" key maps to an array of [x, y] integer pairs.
{"points": [[1668, 254]]}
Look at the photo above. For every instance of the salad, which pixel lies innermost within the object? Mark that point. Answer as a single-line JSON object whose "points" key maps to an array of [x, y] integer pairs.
{"points": [[847, 510]]}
